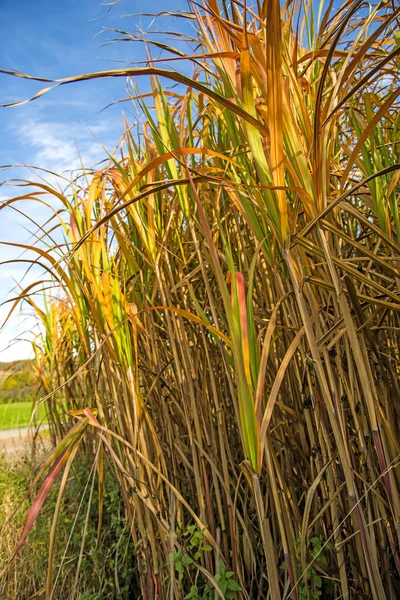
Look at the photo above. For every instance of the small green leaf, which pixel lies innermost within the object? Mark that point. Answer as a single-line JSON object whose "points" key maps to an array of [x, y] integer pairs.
{"points": [[318, 581], [315, 540], [233, 585], [193, 592]]}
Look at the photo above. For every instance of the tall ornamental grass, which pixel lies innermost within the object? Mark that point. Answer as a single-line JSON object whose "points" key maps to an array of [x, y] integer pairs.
{"points": [[225, 330]]}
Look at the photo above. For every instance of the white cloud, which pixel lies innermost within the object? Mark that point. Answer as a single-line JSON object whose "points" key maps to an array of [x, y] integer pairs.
{"points": [[59, 147], [21, 326]]}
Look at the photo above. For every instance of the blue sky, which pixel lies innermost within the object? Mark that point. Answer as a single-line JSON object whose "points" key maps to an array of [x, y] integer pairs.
{"points": [[57, 39]]}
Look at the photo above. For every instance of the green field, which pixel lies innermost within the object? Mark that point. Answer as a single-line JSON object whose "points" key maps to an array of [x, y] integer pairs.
{"points": [[17, 414]]}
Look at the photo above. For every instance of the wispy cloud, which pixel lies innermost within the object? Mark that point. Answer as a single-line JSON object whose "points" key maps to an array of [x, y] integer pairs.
{"points": [[60, 147]]}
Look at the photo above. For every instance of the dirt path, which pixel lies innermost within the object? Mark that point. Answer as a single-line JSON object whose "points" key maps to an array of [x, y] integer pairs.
{"points": [[16, 441]]}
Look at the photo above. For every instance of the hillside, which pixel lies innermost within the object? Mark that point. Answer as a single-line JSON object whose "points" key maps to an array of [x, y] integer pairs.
{"points": [[17, 381]]}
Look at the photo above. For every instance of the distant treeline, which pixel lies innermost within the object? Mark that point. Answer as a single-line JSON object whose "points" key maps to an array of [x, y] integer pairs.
{"points": [[17, 381], [16, 365]]}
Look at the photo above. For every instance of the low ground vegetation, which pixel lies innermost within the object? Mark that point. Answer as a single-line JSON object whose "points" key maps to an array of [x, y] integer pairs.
{"points": [[88, 565]]}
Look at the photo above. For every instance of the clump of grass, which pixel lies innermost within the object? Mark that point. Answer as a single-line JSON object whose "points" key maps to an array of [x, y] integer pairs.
{"points": [[227, 316]]}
